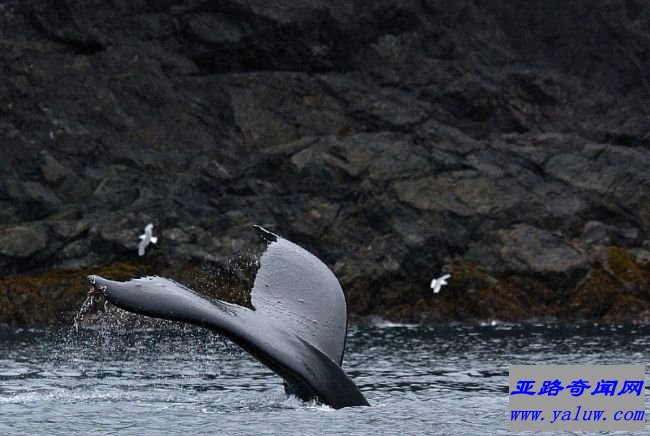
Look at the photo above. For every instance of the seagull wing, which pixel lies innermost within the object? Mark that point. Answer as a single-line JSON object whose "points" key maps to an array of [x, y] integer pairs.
{"points": [[438, 283], [141, 246]]}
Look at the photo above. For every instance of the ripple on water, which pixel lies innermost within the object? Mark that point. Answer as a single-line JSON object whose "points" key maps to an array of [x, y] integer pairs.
{"points": [[435, 380]]}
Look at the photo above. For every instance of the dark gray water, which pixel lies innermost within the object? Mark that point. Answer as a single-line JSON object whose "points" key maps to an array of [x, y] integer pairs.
{"points": [[419, 380]]}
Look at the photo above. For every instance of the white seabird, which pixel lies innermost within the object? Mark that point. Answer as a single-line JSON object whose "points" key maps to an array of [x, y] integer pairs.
{"points": [[438, 283], [146, 238]]}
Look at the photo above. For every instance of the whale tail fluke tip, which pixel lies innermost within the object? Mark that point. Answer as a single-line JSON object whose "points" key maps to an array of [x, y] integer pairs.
{"points": [[265, 234]]}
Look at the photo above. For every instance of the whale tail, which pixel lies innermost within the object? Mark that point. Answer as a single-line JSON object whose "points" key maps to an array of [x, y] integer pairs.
{"points": [[297, 327]]}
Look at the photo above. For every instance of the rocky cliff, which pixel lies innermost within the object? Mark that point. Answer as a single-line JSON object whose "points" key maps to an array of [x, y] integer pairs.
{"points": [[505, 142]]}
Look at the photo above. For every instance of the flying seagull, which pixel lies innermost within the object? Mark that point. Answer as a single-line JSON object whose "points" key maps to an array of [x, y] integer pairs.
{"points": [[146, 238], [438, 283]]}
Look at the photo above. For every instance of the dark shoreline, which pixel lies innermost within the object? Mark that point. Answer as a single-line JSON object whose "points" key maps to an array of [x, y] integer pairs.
{"points": [[472, 296]]}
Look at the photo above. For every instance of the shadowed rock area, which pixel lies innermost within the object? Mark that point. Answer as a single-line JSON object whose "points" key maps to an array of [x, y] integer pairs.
{"points": [[507, 143]]}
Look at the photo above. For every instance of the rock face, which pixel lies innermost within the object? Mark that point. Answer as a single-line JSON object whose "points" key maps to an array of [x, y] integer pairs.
{"points": [[506, 142]]}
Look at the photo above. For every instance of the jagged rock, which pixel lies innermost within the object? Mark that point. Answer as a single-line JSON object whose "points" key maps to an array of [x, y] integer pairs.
{"points": [[22, 241], [53, 171], [178, 235], [65, 182], [526, 248], [393, 139], [32, 199], [69, 229]]}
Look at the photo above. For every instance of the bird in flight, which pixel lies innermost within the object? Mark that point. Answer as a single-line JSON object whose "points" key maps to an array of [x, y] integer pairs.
{"points": [[146, 238], [438, 283]]}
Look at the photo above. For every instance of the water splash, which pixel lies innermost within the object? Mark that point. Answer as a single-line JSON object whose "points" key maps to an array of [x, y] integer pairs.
{"points": [[85, 308]]}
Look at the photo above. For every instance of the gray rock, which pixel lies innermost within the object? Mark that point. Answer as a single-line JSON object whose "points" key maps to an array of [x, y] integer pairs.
{"points": [[525, 248], [178, 236], [596, 232], [53, 171], [22, 241], [31, 199], [464, 193], [63, 181], [69, 229], [381, 157], [391, 138]]}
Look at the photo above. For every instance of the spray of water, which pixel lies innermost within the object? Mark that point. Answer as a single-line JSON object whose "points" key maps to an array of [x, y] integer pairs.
{"points": [[86, 306]]}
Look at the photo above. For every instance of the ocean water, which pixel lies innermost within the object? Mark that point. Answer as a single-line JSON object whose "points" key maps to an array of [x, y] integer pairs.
{"points": [[185, 380]]}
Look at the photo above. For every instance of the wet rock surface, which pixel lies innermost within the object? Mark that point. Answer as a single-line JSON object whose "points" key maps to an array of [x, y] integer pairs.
{"points": [[504, 142]]}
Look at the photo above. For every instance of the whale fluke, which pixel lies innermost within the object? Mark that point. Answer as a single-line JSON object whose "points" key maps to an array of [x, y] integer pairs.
{"points": [[297, 326]]}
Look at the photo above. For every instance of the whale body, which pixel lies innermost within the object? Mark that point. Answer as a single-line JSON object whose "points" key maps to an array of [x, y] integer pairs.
{"points": [[297, 326]]}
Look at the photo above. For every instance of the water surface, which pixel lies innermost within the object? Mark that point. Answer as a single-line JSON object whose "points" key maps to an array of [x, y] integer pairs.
{"points": [[172, 380]]}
